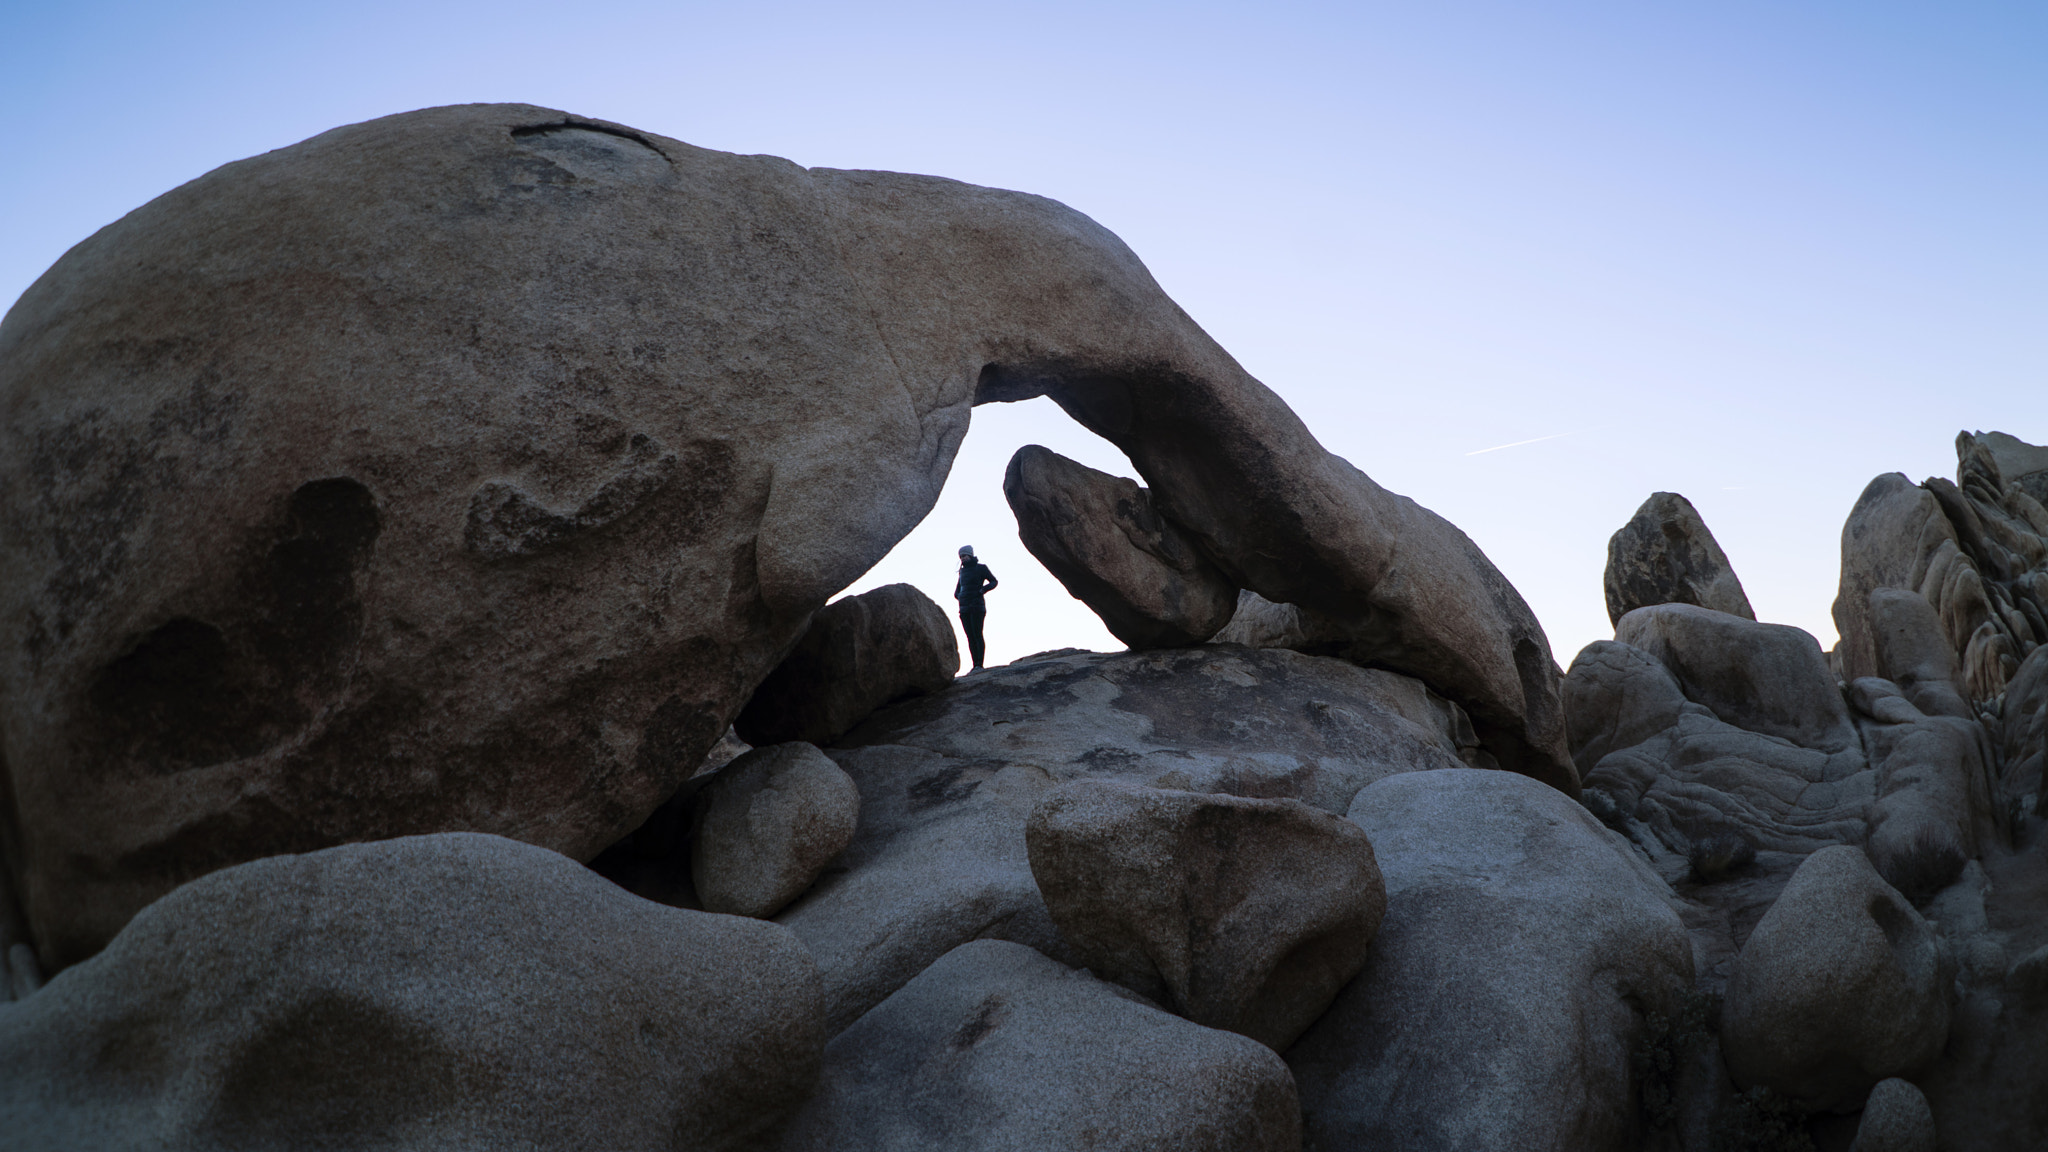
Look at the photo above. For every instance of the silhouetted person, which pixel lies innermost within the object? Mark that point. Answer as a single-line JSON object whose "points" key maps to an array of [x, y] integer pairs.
{"points": [[975, 579]]}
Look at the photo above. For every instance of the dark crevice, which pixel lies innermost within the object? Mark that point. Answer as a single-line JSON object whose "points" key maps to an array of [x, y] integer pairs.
{"points": [[527, 130]]}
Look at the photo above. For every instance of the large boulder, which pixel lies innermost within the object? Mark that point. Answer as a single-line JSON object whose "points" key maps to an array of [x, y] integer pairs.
{"points": [[1771, 679], [1932, 806], [1890, 537], [469, 468], [1245, 915], [1895, 1119], [1762, 747], [1523, 951], [766, 824], [1615, 697], [858, 654], [1665, 555], [1840, 986], [948, 782], [1101, 537], [995, 1048], [431, 992], [1654, 737], [1911, 651]]}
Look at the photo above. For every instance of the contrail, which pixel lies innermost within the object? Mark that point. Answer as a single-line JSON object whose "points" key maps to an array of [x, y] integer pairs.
{"points": [[1519, 443]]}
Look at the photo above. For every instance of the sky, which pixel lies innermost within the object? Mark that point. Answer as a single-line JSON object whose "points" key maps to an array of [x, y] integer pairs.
{"points": [[1525, 263]]}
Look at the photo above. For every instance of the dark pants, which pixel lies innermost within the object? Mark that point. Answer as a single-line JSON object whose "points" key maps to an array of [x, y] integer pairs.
{"points": [[970, 619]]}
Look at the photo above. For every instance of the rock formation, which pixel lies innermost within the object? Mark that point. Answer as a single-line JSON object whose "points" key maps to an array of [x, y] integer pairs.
{"points": [[1972, 548], [765, 825], [1896, 1119], [1246, 915], [390, 522], [1102, 538], [948, 783], [1841, 985], [1511, 979], [1665, 555], [335, 512], [858, 654], [433, 991], [996, 1047]]}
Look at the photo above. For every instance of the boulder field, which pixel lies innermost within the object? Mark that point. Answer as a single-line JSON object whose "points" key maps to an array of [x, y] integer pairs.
{"points": [[426, 719]]}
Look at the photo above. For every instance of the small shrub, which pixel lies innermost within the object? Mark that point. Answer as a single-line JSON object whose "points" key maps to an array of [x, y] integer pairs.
{"points": [[1720, 854], [1603, 808], [1666, 1042], [1762, 1121], [1929, 864]]}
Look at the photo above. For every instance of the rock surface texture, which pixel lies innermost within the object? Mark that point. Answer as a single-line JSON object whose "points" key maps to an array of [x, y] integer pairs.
{"points": [[1245, 915], [467, 469], [948, 782], [1976, 549], [431, 992], [1695, 721], [995, 1047], [1507, 990], [1665, 555], [858, 654], [1765, 678], [1842, 984], [766, 825], [1100, 536], [1895, 1119]]}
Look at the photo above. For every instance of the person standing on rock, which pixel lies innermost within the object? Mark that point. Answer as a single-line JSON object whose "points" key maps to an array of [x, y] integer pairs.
{"points": [[975, 579]]}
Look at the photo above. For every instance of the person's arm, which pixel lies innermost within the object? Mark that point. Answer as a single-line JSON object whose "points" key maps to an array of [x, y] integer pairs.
{"points": [[988, 576]]}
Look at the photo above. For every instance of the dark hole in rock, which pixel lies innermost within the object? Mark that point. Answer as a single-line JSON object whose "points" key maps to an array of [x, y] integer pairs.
{"points": [[169, 695], [192, 693]]}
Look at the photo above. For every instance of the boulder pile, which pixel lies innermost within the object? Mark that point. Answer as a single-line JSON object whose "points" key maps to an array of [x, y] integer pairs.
{"points": [[426, 720]]}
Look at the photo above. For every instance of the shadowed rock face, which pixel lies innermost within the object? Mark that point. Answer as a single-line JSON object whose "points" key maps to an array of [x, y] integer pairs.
{"points": [[1246, 915], [858, 654], [1841, 985], [467, 469], [1508, 990], [995, 1048], [442, 991]]}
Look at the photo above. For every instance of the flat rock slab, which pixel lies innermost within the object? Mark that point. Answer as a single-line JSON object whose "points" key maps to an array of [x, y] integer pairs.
{"points": [[440, 991], [1506, 993], [1245, 915], [995, 1048], [948, 781]]}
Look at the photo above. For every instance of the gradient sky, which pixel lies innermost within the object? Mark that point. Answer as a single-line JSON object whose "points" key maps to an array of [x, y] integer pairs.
{"points": [[1753, 253]]}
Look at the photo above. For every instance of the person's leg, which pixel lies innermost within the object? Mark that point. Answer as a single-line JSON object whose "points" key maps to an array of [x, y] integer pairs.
{"points": [[970, 620]]}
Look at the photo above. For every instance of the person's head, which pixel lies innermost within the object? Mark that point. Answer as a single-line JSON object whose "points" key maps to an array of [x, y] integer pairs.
{"points": [[966, 554]]}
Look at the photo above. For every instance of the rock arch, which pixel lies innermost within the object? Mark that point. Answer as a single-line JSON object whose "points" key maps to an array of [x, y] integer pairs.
{"points": [[627, 412]]}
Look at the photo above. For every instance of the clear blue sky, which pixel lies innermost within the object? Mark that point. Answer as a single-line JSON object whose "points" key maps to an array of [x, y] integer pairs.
{"points": [[1754, 253]]}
